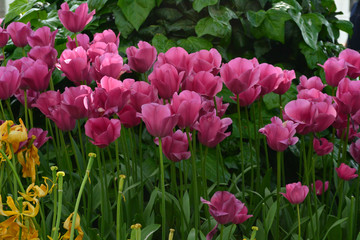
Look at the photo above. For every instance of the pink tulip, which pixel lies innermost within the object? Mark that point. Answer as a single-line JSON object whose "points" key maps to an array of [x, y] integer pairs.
{"points": [[176, 56], [31, 96], [75, 65], [128, 116], [240, 74], [285, 81], [175, 146], [37, 76], [19, 32], [204, 83], [102, 131], [37, 137], [314, 95], [158, 119], [322, 146], [226, 208], [248, 96], [348, 96], [142, 59], [320, 187], [42, 37], [208, 105], [109, 64], [75, 21], [355, 150], [211, 129], [9, 81], [335, 70], [107, 36], [72, 100], [166, 79], [142, 93], [345, 172], [47, 54], [352, 59], [353, 131], [82, 39], [100, 48], [296, 193], [187, 105], [270, 78], [4, 37], [205, 60], [280, 135], [313, 82]]}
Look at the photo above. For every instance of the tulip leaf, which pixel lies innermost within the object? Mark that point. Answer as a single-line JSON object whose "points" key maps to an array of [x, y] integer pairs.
{"points": [[198, 5], [191, 235], [270, 218], [337, 223], [162, 43], [124, 27], [136, 11], [148, 231], [186, 207], [213, 27], [194, 44]]}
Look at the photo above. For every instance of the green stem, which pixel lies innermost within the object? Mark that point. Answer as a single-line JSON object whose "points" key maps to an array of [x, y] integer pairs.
{"points": [[86, 177], [2, 170], [341, 197], [17, 179], [281, 108], [257, 146], [344, 150], [60, 176], [118, 207], [74, 151], [2, 111], [278, 186], [298, 215], [9, 109], [81, 141], [14, 176], [55, 197], [76, 41], [102, 206], [351, 218], [26, 109], [51, 84], [146, 77], [163, 213], [241, 149], [3, 52], [262, 136], [221, 231]]}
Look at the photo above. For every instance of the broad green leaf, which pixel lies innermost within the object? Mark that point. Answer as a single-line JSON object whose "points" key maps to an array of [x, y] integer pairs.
{"points": [[212, 27], [256, 18], [33, 13], [338, 222], [186, 206], [168, 14], [162, 43], [312, 57], [184, 25], [270, 218], [345, 26], [17, 7], [228, 232], [96, 4], [52, 21], [148, 231], [262, 47], [150, 206], [271, 101], [158, 2], [328, 26], [200, 4], [124, 27], [194, 44], [191, 235], [329, 4], [136, 11], [286, 5], [263, 2], [222, 13], [274, 24]]}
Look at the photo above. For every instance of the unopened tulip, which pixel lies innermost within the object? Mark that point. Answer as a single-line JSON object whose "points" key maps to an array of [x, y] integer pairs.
{"points": [[109, 64], [204, 83], [75, 21], [211, 129], [73, 101], [280, 135], [176, 56], [322, 146], [345, 172], [285, 81], [107, 36], [42, 37], [206, 60], [355, 150], [313, 82], [47, 54], [4, 37], [159, 119], [102, 131], [166, 79], [142, 59], [37, 76], [296, 193], [335, 70], [320, 187], [175, 146], [19, 32], [352, 59], [9, 81]]}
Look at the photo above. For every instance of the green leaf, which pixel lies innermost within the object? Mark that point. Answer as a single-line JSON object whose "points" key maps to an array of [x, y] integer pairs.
{"points": [[329, 4], [212, 27], [162, 43], [328, 26], [271, 101], [17, 7], [263, 2], [136, 11], [270, 218], [310, 26], [149, 230], [222, 13], [33, 13], [313, 57], [228, 232], [345, 26], [274, 24], [286, 5], [169, 14], [256, 18], [96, 4], [338, 222], [194, 44], [124, 27], [200, 4]]}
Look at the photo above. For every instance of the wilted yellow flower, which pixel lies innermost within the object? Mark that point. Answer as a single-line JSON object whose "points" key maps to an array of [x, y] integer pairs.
{"points": [[34, 191], [67, 226], [5, 129], [10, 230], [28, 165]]}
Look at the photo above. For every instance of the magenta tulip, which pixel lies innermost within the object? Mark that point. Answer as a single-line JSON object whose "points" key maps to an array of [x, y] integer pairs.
{"points": [[102, 131], [37, 76], [348, 96], [296, 193], [322, 146], [320, 187], [4, 37], [75, 21], [345, 172], [211, 129], [159, 119], [355, 150], [204, 83], [166, 79], [100, 48], [142, 59], [9, 81], [31, 96], [175, 146], [176, 56], [19, 32], [142, 93], [208, 105], [285, 81], [240, 74], [248, 96], [280, 135], [47, 54], [314, 95], [335, 70], [72, 100], [82, 39], [313, 82], [128, 116], [37, 137], [270, 78], [42, 37], [48, 101], [205, 60], [352, 59], [109, 64], [107, 36]]}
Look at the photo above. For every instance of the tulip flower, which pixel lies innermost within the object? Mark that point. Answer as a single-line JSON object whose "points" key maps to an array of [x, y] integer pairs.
{"points": [[142, 59], [82, 39], [159, 119], [209, 106], [31, 96], [72, 100], [102, 131], [175, 146], [142, 93], [352, 59], [348, 96], [240, 74], [4, 37], [37, 76], [322, 146], [335, 70], [314, 95], [345, 172], [9, 81], [109, 64], [206, 60], [47, 54], [248, 96], [19, 32], [270, 78], [204, 83], [42, 37], [280, 135], [211, 129], [166, 79], [107, 36], [176, 56], [296, 193], [128, 116], [100, 48], [75, 21], [285, 81], [320, 187], [355, 150], [313, 82]]}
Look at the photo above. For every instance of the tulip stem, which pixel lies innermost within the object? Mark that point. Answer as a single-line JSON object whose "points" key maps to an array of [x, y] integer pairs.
{"points": [[14, 178], [13, 169], [146, 77], [76, 156], [278, 186], [280, 107], [53, 170], [9, 109], [26, 109], [86, 177], [163, 213], [263, 137], [221, 231], [2, 170], [60, 176], [80, 140], [2, 111], [351, 218], [76, 41], [102, 184], [298, 213], [344, 149], [257, 147], [118, 208], [241, 149], [341, 197], [3, 52]]}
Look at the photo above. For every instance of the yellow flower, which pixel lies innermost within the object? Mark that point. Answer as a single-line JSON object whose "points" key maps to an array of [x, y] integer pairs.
{"points": [[4, 130], [34, 191], [67, 226], [17, 134], [10, 230], [32, 159]]}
